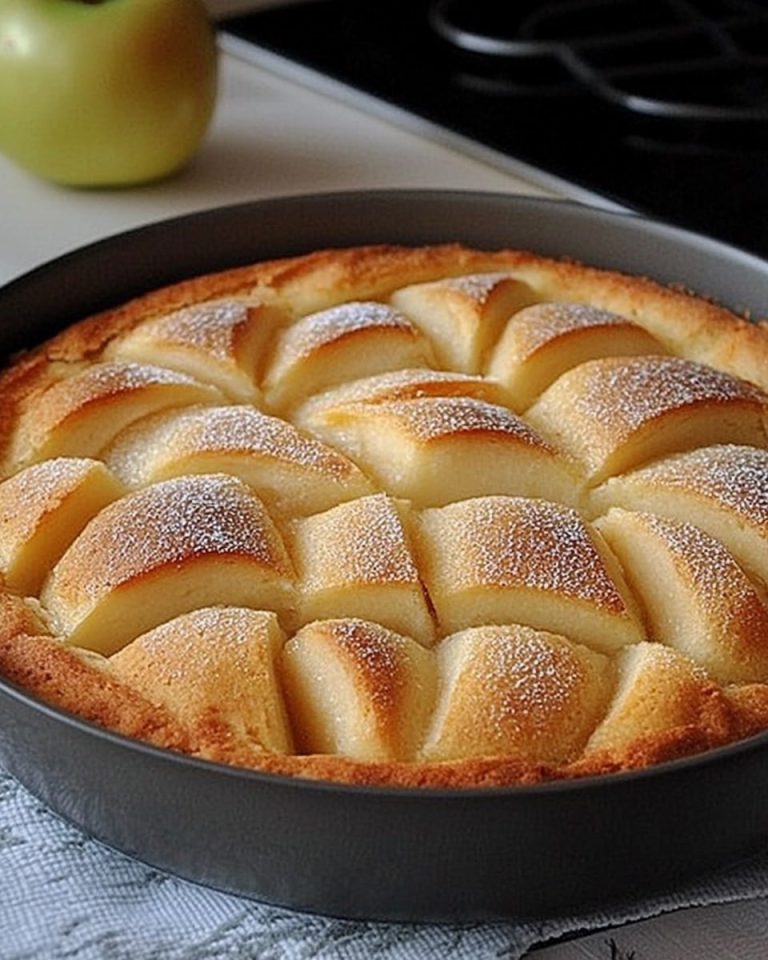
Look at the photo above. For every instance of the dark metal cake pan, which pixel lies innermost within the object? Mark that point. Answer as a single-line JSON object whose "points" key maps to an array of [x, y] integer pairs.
{"points": [[375, 853]]}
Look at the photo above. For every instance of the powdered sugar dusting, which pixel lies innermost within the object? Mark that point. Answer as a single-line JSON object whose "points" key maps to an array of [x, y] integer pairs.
{"points": [[431, 418], [635, 390], [134, 455], [477, 286], [108, 379], [721, 589], [362, 541], [245, 429], [37, 485], [706, 559], [733, 476], [210, 327], [30, 494], [199, 628], [542, 322], [531, 679], [377, 654], [217, 660], [236, 622], [514, 541], [168, 523], [518, 692], [318, 329]]}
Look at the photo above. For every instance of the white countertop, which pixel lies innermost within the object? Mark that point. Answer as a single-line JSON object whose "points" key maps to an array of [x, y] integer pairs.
{"points": [[269, 137], [274, 137]]}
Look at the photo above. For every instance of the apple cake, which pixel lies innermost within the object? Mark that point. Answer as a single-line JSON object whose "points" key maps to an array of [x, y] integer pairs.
{"points": [[384, 515]]}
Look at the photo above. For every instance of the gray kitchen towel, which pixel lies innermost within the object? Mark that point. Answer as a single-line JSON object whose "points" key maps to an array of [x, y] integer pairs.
{"points": [[63, 895]]}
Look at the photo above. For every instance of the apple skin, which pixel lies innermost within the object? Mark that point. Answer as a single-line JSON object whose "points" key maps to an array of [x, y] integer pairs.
{"points": [[106, 92]]}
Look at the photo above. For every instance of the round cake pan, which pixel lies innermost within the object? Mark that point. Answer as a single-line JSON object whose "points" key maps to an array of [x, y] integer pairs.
{"points": [[375, 853]]}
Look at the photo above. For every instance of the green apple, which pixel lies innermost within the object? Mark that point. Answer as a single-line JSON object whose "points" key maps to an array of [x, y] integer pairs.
{"points": [[105, 92]]}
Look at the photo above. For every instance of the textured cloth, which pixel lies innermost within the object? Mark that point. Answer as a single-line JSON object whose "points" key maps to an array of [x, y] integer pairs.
{"points": [[65, 895]]}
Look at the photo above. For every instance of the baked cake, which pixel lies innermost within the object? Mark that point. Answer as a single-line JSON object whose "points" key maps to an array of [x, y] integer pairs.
{"points": [[408, 516]]}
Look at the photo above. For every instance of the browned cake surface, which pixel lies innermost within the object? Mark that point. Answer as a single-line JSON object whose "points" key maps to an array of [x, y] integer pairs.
{"points": [[416, 517]]}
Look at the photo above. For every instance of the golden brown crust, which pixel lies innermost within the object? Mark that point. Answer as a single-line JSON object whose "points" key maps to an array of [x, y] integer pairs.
{"points": [[55, 673], [48, 669], [214, 670], [343, 275], [478, 287]]}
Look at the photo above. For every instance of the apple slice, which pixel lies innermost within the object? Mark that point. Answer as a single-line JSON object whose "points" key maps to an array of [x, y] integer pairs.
{"points": [[462, 316], [353, 340], [616, 413], [173, 547], [221, 342], [79, 415], [291, 470], [42, 509], [516, 692], [696, 597], [662, 700], [434, 450], [355, 561], [216, 671], [408, 384], [541, 342], [722, 489], [358, 689], [495, 560]]}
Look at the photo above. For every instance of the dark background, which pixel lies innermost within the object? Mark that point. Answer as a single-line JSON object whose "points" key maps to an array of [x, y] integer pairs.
{"points": [[658, 105]]}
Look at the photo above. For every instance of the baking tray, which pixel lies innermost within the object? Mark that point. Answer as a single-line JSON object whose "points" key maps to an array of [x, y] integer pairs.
{"points": [[364, 852]]}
